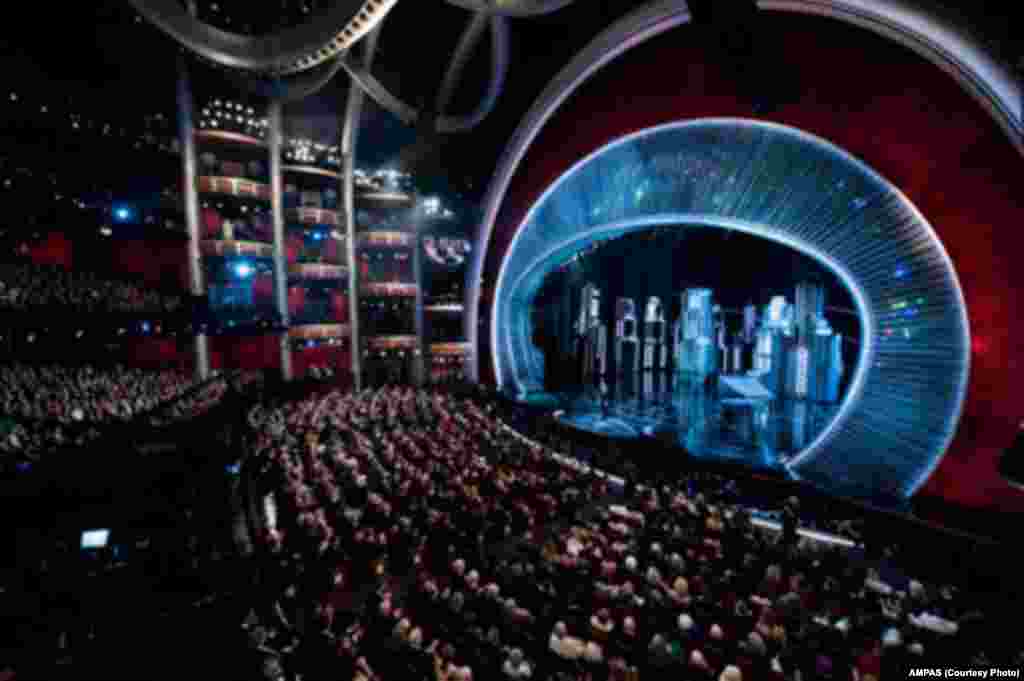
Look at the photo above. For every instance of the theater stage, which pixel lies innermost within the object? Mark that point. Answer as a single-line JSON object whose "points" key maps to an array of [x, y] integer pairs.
{"points": [[708, 423]]}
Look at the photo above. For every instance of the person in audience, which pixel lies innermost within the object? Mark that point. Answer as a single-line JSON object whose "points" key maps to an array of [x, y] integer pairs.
{"points": [[516, 667], [682, 567]]}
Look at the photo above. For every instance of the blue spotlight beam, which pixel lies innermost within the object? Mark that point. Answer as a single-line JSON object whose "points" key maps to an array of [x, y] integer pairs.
{"points": [[908, 388]]}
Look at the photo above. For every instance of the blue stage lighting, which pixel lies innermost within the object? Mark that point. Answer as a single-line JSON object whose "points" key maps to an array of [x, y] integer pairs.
{"points": [[145, 327], [906, 392], [122, 214], [243, 269]]}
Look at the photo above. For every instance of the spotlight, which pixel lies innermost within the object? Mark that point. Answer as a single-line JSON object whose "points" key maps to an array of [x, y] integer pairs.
{"points": [[243, 270], [122, 214]]}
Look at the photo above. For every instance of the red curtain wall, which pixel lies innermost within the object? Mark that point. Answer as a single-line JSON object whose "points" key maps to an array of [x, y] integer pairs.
{"points": [[321, 356], [296, 299], [55, 249], [263, 289], [339, 306]]}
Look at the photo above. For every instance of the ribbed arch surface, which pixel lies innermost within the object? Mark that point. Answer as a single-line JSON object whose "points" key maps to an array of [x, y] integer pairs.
{"points": [[904, 402]]}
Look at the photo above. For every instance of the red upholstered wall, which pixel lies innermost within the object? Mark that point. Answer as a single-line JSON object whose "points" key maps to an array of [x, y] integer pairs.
{"points": [[263, 289], [247, 352], [339, 306], [321, 356], [153, 351], [212, 223], [156, 262], [293, 247], [296, 299], [906, 119], [54, 249], [333, 251]]}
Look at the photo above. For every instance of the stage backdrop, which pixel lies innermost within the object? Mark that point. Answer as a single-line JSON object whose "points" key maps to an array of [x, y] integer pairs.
{"points": [[904, 118]]}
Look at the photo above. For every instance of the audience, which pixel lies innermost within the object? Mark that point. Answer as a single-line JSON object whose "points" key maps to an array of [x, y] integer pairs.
{"points": [[26, 286], [485, 557], [49, 407], [409, 534]]}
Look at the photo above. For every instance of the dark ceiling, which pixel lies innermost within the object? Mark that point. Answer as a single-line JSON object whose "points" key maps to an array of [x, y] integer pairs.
{"points": [[102, 56]]}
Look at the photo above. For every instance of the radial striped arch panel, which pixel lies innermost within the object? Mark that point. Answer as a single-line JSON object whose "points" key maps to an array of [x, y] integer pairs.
{"points": [[782, 184]]}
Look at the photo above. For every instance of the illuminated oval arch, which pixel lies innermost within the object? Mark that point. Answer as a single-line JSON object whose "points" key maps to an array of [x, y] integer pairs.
{"points": [[782, 184]]}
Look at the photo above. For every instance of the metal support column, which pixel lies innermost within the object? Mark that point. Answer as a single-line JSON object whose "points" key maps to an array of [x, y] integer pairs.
{"points": [[274, 134], [419, 355], [352, 262], [186, 132], [349, 137]]}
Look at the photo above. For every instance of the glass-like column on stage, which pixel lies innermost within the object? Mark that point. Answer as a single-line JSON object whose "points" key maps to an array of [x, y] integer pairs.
{"points": [[627, 348], [654, 348]]}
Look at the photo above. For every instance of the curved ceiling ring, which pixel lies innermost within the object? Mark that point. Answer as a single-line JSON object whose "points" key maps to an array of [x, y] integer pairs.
{"points": [[293, 50], [291, 88], [471, 36], [362, 77], [975, 68], [284, 60], [512, 8], [909, 384]]}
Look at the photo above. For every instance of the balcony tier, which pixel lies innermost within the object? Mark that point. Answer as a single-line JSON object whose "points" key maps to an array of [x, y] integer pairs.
{"points": [[392, 342], [386, 197], [318, 331], [233, 138], [319, 271], [311, 170], [387, 239], [313, 216], [450, 349], [445, 308], [218, 247], [233, 186], [389, 289]]}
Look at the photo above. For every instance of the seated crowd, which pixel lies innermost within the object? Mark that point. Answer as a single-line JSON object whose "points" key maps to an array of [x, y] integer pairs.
{"points": [[48, 407], [409, 535], [26, 286]]}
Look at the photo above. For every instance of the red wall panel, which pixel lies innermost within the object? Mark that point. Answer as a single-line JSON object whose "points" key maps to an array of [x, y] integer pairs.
{"points": [[151, 351], [334, 357], [339, 307], [263, 289], [248, 352], [212, 223], [293, 246], [54, 249], [296, 299]]}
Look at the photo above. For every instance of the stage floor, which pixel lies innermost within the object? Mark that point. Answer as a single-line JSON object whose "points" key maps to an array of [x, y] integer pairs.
{"points": [[760, 433]]}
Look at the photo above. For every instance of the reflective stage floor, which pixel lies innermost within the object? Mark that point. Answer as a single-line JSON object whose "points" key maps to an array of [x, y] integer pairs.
{"points": [[761, 433]]}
